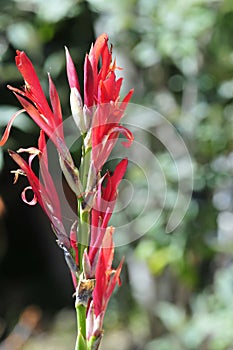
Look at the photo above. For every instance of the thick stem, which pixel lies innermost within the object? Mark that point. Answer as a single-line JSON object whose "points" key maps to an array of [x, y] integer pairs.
{"points": [[81, 343], [83, 232], [85, 166], [83, 236], [83, 212], [83, 240]]}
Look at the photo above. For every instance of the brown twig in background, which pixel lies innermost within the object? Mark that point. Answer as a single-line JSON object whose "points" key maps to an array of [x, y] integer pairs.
{"points": [[27, 323]]}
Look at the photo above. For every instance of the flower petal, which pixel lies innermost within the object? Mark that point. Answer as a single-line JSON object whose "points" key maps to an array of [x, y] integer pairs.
{"points": [[8, 128], [89, 83], [106, 278], [56, 106], [32, 178], [23, 195], [38, 118], [109, 192], [99, 45], [33, 89], [71, 71]]}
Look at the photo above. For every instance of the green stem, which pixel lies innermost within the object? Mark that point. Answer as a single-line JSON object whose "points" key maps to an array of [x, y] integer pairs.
{"points": [[82, 239], [94, 343], [81, 343], [83, 232], [83, 213], [85, 166]]}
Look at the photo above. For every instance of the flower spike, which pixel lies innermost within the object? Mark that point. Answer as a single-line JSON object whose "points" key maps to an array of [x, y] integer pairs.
{"points": [[97, 112]]}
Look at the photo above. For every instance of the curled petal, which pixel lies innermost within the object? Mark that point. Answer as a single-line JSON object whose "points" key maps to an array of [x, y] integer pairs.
{"points": [[102, 151], [23, 195], [124, 131], [32, 178], [43, 122], [33, 151], [8, 128]]}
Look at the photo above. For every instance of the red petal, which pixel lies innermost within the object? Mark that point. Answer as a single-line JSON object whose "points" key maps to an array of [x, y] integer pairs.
{"points": [[33, 88], [106, 60], [47, 179], [104, 282], [114, 281], [109, 192], [118, 86], [108, 89], [27, 70], [32, 178], [42, 146], [40, 120], [73, 240], [71, 71], [99, 45], [23, 195], [88, 83], [126, 99], [8, 128], [111, 88], [124, 131], [56, 106]]}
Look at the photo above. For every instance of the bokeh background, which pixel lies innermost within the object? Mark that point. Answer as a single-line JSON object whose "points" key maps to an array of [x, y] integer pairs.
{"points": [[177, 288]]}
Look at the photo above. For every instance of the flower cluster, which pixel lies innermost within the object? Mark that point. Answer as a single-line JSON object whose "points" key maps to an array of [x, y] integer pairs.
{"points": [[97, 112]]}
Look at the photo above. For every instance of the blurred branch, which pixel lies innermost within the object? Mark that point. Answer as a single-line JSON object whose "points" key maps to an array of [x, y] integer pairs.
{"points": [[25, 327]]}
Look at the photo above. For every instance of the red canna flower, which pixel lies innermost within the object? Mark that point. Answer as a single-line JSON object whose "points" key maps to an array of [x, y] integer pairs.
{"points": [[102, 109], [106, 280], [98, 116], [46, 195], [106, 277], [102, 209], [109, 110], [44, 189], [34, 102]]}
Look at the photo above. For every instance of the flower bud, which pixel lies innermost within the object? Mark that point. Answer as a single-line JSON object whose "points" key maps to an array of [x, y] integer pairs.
{"points": [[88, 114], [76, 105]]}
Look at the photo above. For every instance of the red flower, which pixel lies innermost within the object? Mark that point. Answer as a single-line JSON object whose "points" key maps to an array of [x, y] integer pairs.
{"points": [[106, 89], [102, 209], [106, 280], [102, 109], [98, 116], [44, 192], [106, 277], [33, 100]]}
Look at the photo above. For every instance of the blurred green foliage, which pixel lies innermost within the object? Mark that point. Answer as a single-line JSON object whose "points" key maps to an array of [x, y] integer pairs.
{"points": [[177, 288]]}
